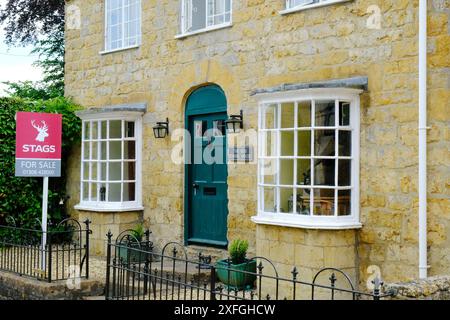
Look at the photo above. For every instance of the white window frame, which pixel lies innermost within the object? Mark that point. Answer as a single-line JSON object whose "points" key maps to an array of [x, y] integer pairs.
{"points": [[290, 9], [106, 38], [104, 206], [302, 221], [183, 33]]}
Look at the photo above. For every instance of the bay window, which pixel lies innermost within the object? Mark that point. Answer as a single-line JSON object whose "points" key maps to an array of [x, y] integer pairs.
{"points": [[122, 24], [110, 164], [308, 168], [203, 15]]}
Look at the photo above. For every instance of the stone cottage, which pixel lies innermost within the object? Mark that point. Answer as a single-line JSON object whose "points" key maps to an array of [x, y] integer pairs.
{"points": [[293, 124]]}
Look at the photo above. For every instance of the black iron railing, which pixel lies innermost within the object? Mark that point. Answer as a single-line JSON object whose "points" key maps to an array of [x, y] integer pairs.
{"points": [[136, 272], [64, 256]]}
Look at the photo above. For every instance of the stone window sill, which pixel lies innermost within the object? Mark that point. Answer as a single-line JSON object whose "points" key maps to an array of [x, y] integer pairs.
{"points": [[311, 6], [302, 222], [212, 28], [109, 207], [119, 49]]}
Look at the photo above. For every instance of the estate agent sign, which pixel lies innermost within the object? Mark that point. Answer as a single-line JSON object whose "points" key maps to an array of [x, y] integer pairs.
{"points": [[38, 144]]}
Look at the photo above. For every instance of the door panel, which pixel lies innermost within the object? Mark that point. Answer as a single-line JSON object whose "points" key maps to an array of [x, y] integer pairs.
{"points": [[208, 202]]}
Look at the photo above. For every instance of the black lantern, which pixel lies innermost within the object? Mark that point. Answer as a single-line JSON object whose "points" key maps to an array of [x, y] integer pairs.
{"points": [[161, 130], [235, 123]]}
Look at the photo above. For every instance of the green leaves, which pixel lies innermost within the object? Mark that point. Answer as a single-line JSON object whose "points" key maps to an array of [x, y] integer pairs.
{"points": [[238, 251], [21, 198]]}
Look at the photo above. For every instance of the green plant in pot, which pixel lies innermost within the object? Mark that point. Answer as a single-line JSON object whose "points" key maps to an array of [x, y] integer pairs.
{"points": [[134, 248], [237, 272]]}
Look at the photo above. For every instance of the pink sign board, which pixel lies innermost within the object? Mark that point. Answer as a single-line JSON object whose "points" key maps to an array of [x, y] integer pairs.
{"points": [[38, 144]]}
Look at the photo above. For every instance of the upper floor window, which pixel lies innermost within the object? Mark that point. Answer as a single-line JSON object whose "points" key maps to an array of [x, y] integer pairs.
{"points": [[309, 160], [294, 5], [122, 24], [199, 15]]}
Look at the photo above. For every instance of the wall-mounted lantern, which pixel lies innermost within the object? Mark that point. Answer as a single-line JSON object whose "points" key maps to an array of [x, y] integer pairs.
{"points": [[161, 130], [235, 123]]}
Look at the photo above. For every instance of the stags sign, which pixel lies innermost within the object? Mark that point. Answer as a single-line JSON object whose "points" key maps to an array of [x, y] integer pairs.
{"points": [[38, 144]]}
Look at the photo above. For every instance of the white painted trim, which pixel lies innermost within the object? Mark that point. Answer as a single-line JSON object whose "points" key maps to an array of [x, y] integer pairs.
{"points": [[308, 94], [306, 222], [107, 208], [119, 49], [110, 115], [207, 29], [311, 6]]}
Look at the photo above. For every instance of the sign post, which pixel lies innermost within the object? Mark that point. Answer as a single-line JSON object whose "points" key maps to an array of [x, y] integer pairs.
{"points": [[38, 154]]}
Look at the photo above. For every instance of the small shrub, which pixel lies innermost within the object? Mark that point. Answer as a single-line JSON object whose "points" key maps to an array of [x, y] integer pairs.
{"points": [[139, 232], [238, 251]]}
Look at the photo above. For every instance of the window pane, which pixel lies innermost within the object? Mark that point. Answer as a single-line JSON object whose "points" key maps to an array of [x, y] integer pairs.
{"points": [[94, 192], [129, 150], [345, 143], [219, 128], [95, 130], [344, 113], [295, 3], [129, 192], [270, 117], [129, 127], [304, 143], [87, 132], [269, 144], [325, 144], [323, 202], [115, 129], [304, 114], [85, 170], [269, 200], [129, 171], [270, 168], [85, 195], [94, 155], [198, 14], [115, 150], [344, 174], [87, 150], [304, 172], [103, 152], [287, 115], [344, 203], [115, 171], [324, 172], [303, 203], [287, 143], [104, 126], [114, 192], [287, 172], [103, 171], [286, 198], [94, 172], [325, 114]]}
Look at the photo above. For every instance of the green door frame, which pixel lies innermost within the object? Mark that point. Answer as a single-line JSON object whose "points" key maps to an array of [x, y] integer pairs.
{"points": [[193, 110]]}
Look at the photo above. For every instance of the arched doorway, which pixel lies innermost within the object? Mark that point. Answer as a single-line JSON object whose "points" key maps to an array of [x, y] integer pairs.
{"points": [[206, 189]]}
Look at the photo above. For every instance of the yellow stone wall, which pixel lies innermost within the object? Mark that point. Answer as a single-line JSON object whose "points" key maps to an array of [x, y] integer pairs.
{"points": [[263, 49]]}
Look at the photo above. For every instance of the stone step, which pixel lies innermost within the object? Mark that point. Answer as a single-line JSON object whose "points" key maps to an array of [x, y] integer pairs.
{"points": [[215, 253]]}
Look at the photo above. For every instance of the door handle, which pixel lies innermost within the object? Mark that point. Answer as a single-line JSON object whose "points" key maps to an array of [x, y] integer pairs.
{"points": [[196, 187]]}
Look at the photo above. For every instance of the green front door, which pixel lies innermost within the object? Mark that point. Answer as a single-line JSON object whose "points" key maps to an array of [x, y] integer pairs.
{"points": [[207, 174]]}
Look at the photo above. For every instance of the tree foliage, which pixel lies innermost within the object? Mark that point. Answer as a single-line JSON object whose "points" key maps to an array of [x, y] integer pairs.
{"points": [[25, 20], [21, 198]]}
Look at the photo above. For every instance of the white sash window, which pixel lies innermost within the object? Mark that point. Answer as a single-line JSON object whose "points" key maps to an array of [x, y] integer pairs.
{"points": [[122, 24], [297, 5], [204, 15]]}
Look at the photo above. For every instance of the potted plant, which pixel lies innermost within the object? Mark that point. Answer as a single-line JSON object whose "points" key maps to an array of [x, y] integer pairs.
{"points": [[134, 249], [237, 271]]}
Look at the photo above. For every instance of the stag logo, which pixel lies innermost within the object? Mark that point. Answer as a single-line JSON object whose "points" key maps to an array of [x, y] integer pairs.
{"points": [[42, 131]]}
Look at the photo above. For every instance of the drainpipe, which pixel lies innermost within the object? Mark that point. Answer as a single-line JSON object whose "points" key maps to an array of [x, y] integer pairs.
{"points": [[423, 265]]}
